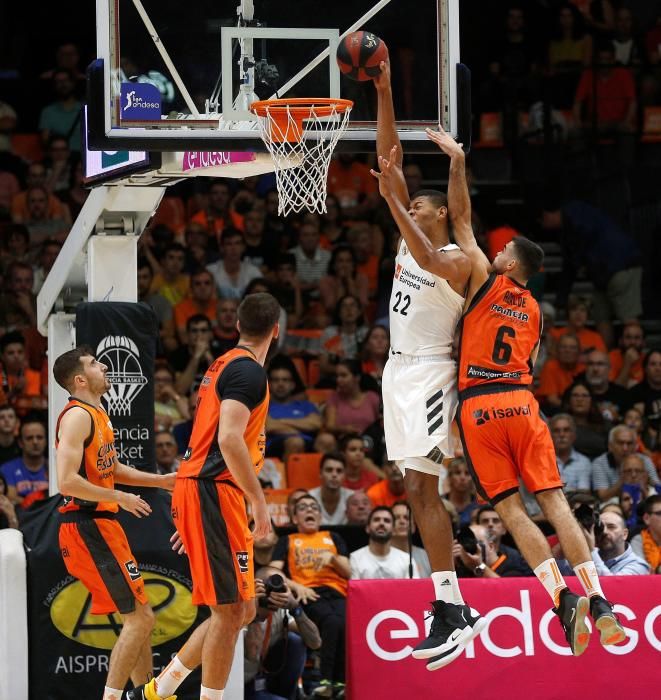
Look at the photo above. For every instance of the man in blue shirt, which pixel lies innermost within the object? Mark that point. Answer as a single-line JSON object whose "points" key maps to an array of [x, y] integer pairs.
{"points": [[292, 423], [615, 555], [27, 473], [575, 469]]}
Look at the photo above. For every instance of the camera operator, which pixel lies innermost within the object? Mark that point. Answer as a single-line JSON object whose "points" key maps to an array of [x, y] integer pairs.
{"points": [[606, 535], [474, 552], [276, 640], [505, 561]]}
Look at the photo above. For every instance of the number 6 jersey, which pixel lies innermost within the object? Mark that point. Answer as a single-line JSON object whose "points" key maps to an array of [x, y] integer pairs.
{"points": [[424, 309], [498, 333]]}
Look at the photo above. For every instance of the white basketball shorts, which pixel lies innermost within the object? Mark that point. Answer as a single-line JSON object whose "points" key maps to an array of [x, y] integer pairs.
{"points": [[419, 405]]}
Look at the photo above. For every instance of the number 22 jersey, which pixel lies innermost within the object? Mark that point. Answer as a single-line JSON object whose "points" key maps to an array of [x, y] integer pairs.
{"points": [[499, 331]]}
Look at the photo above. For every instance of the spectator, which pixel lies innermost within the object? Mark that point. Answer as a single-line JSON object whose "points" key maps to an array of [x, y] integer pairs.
{"points": [[389, 490], [472, 549], [40, 225], [291, 502], [627, 360], [286, 288], [647, 439], [55, 210], [363, 241], [647, 544], [615, 555], [226, 334], [503, 560], [360, 473], [636, 481], [374, 352], [318, 560], [18, 305], [379, 559], [15, 246], [343, 339], [8, 518], [461, 491], [76, 194], [577, 317], [183, 431], [646, 395], [50, 249], [218, 215], [413, 177], [333, 230], [611, 399], [607, 476], [276, 641], [170, 408], [403, 531], [575, 469], [191, 361], [546, 342], [62, 117], [325, 442], [349, 409], [67, 57], [159, 304], [9, 447], [342, 280], [353, 185], [165, 447], [628, 46], [201, 300], [261, 248], [58, 178], [358, 508], [311, 261], [331, 495], [559, 372], [292, 422], [28, 473], [591, 426], [20, 384], [232, 274], [170, 281]]}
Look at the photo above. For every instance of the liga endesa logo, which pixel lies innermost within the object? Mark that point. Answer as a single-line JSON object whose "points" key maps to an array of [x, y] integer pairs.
{"points": [[395, 629], [169, 598]]}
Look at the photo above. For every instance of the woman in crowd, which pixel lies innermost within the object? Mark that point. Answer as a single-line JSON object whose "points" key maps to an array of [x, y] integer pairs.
{"points": [[591, 427], [343, 339], [461, 493], [349, 409], [342, 279], [375, 352]]}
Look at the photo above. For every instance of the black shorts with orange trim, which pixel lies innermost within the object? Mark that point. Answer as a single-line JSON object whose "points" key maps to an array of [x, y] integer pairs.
{"points": [[210, 517], [504, 440], [95, 551]]}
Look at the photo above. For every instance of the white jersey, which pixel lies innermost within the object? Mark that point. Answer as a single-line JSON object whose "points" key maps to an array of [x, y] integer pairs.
{"points": [[424, 309]]}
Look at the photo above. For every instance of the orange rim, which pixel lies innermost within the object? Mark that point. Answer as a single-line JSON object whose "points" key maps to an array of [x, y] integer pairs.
{"points": [[288, 115]]}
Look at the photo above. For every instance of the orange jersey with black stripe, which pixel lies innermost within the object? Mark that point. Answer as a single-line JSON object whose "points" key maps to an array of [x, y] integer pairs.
{"points": [[498, 333], [303, 561], [98, 462], [203, 458]]}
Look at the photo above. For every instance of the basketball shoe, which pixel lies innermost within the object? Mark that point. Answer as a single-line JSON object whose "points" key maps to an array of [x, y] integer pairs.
{"points": [[606, 621], [147, 692], [476, 624], [449, 629], [572, 612]]}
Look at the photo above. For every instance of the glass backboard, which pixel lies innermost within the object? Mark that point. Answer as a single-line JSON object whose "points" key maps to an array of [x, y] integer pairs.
{"points": [[175, 76]]}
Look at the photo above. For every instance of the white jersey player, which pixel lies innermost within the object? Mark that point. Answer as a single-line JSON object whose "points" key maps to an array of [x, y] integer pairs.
{"points": [[419, 380]]}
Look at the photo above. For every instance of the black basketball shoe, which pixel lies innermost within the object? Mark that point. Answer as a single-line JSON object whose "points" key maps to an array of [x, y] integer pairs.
{"points": [[572, 611], [606, 621], [448, 629]]}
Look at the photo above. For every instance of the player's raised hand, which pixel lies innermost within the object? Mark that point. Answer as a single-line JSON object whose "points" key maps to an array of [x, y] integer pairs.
{"points": [[134, 504], [177, 544], [445, 142], [385, 174], [382, 81]]}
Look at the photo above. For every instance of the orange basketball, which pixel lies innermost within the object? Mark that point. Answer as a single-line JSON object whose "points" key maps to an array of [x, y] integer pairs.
{"points": [[359, 55]]}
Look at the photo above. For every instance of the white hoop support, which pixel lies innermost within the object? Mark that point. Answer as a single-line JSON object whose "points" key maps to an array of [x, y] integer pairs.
{"points": [[303, 132]]}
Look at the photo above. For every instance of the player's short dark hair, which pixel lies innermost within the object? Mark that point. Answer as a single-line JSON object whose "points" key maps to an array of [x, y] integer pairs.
{"points": [[376, 509], [335, 456], [529, 255], [257, 314], [437, 198], [68, 365]]}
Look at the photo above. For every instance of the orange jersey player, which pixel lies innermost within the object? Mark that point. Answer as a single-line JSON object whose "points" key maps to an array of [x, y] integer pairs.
{"points": [[92, 541], [505, 440]]}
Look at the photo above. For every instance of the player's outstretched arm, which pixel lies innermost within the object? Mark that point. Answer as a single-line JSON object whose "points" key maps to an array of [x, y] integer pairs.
{"points": [[459, 208], [124, 474], [74, 430], [449, 267], [386, 130]]}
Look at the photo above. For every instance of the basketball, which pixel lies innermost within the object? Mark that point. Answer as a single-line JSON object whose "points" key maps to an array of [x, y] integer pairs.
{"points": [[359, 55]]}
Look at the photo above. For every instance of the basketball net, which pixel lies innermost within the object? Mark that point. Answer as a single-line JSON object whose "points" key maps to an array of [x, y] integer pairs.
{"points": [[301, 135]]}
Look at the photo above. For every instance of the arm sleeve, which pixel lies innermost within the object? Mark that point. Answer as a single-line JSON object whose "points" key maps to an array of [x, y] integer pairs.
{"points": [[340, 544], [243, 380]]}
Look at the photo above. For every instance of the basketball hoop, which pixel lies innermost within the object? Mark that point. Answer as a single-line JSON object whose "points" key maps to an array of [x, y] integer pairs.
{"points": [[300, 135]]}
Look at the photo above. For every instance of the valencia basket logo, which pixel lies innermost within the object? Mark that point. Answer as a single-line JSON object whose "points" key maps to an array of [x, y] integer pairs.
{"points": [[122, 357]]}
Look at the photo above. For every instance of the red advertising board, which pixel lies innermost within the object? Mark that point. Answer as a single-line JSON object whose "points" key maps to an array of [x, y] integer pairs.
{"points": [[522, 653]]}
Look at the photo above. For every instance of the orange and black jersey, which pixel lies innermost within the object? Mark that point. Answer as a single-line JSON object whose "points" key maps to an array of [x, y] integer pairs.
{"points": [[98, 462], [498, 333], [238, 376]]}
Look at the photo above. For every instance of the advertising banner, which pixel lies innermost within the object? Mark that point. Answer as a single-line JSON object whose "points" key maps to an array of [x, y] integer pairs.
{"points": [[522, 653]]}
